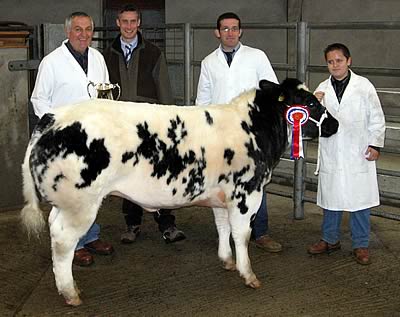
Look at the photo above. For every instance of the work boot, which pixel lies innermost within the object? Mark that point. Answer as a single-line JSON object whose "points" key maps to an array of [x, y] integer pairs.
{"points": [[362, 256], [82, 257], [266, 243], [99, 247], [130, 235], [323, 247], [173, 234]]}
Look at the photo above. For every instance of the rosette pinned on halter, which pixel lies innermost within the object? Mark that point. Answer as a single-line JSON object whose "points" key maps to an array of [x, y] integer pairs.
{"points": [[297, 115]]}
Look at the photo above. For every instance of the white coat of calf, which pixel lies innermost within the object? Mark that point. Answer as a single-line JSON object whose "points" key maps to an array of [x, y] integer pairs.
{"points": [[158, 156]]}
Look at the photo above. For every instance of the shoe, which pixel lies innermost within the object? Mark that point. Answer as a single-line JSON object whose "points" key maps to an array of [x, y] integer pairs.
{"points": [[173, 234], [130, 235], [323, 247], [82, 257], [266, 243], [99, 247], [362, 256]]}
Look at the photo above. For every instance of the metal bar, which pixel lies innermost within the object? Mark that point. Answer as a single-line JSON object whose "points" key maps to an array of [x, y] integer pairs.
{"points": [[362, 70], [208, 26], [356, 25], [299, 165], [374, 212], [187, 65]]}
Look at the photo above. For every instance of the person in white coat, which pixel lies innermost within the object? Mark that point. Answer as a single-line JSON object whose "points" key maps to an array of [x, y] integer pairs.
{"points": [[62, 79], [347, 177], [225, 73]]}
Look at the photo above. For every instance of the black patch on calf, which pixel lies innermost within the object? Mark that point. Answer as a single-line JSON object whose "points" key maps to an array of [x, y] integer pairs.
{"points": [[166, 160], [57, 180], [209, 119], [195, 186], [228, 155], [126, 156], [59, 143], [246, 127], [223, 177]]}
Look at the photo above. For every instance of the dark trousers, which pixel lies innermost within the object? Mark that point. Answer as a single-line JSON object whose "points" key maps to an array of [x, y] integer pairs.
{"points": [[134, 213]]}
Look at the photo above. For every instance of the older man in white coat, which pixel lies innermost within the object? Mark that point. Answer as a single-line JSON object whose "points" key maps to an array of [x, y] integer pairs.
{"points": [[347, 177], [62, 79], [229, 70]]}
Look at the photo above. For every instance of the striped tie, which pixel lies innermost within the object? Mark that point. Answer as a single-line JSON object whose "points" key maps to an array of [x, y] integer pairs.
{"points": [[128, 52]]}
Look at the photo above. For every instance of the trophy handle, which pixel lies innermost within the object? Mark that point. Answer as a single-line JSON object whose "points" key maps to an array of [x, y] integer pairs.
{"points": [[119, 91], [87, 88]]}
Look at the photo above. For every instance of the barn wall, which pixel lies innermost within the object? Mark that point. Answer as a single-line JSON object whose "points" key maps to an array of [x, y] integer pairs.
{"points": [[369, 48]]}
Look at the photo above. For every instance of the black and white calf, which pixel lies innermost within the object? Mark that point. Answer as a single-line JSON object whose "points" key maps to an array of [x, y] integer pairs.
{"points": [[158, 156]]}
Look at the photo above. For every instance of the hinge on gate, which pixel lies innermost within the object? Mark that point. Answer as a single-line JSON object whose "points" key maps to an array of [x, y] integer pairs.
{"points": [[31, 64]]}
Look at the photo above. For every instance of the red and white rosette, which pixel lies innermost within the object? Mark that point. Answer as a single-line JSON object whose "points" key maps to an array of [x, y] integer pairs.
{"points": [[297, 115]]}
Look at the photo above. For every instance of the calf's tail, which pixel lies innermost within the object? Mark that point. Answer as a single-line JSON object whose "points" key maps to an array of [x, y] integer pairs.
{"points": [[31, 215]]}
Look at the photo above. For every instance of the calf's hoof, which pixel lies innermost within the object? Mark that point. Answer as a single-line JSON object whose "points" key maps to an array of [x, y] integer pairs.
{"points": [[254, 283], [73, 301], [229, 266]]}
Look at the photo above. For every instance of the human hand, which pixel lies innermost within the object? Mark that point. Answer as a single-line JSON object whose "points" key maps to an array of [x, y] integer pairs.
{"points": [[320, 95], [371, 154]]}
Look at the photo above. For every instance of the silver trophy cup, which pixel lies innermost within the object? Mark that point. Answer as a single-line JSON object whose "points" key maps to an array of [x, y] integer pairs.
{"points": [[103, 90]]}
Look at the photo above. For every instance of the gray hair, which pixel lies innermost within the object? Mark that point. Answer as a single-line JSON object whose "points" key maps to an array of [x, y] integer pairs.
{"points": [[68, 20]]}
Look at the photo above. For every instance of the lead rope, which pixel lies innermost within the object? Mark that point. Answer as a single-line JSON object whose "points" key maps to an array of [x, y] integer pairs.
{"points": [[319, 124]]}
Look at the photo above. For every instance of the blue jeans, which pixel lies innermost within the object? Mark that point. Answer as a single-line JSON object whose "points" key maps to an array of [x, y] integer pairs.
{"points": [[90, 236], [359, 227], [260, 227]]}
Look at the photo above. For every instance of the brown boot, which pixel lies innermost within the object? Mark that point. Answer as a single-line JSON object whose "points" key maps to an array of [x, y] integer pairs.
{"points": [[323, 247], [82, 257], [99, 247], [268, 244], [362, 256]]}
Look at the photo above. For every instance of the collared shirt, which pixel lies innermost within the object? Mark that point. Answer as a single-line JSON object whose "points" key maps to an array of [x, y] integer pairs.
{"points": [[340, 86], [82, 59], [229, 55], [132, 45]]}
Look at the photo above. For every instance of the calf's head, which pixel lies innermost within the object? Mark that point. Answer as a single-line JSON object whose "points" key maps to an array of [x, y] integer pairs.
{"points": [[293, 92]]}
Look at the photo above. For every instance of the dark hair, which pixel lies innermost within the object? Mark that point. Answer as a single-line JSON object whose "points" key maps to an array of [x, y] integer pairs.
{"points": [[337, 47], [227, 15], [130, 8], [68, 19]]}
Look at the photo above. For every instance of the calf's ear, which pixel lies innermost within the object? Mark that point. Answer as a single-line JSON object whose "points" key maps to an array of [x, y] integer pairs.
{"points": [[268, 85], [270, 88]]}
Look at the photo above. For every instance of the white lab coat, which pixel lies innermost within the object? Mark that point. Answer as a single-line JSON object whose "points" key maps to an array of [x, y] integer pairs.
{"points": [[61, 80], [219, 83], [347, 181]]}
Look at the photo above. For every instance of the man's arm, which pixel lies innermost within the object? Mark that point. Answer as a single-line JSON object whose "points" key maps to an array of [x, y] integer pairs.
{"points": [[265, 69], [41, 95], [204, 86], [164, 90]]}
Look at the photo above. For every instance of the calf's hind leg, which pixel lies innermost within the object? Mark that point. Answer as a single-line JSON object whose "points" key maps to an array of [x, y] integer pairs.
{"points": [[224, 233], [240, 224], [66, 228]]}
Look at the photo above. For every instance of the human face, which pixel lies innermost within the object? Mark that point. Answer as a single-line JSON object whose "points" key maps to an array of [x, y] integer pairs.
{"points": [[128, 23], [338, 64], [81, 33], [229, 33]]}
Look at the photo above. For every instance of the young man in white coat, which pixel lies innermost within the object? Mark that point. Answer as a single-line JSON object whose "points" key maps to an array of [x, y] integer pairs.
{"points": [[347, 177], [62, 79], [225, 73]]}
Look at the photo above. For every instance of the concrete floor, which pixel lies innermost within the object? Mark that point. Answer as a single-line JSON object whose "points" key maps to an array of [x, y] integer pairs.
{"points": [[150, 278]]}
